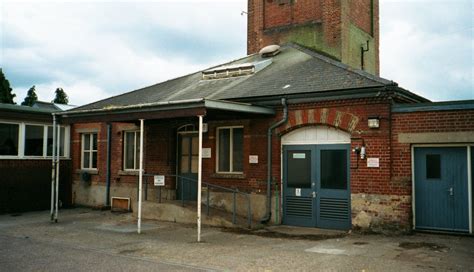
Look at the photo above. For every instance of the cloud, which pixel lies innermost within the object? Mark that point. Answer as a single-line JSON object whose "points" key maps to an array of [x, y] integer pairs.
{"points": [[110, 48], [428, 49], [96, 49]]}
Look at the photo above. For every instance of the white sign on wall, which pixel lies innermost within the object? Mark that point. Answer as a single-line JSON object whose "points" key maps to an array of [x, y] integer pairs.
{"points": [[373, 162], [253, 159], [206, 153], [159, 180]]}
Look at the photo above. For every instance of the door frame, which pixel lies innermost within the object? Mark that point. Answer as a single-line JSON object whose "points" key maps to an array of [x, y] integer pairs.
{"points": [[469, 149]]}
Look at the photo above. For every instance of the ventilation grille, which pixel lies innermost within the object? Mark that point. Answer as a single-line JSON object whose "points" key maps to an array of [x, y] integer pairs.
{"points": [[299, 206], [334, 209]]}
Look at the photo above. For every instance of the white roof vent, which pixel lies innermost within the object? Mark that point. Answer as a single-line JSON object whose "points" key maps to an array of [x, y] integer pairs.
{"points": [[270, 51]]}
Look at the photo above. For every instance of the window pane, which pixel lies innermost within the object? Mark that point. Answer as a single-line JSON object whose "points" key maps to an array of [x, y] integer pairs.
{"points": [[224, 151], [61, 141], [129, 150], [86, 156], [49, 144], [87, 141], [9, 139], [94, 160], [238, 150], [185, 145], [184, 164], [34, 140], [137, 150], [94, 141], [433, 166], [299, 169], [194, 164], [195, 146], [334, 169]]}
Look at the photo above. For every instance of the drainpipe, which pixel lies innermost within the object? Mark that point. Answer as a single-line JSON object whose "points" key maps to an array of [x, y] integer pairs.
{"points": [[53, 167], [109, 151], [268, 213]]}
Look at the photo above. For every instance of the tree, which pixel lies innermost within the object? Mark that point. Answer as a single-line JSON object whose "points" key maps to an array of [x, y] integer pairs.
{"points": [[30, 98], [61, 97], [6, 95]]}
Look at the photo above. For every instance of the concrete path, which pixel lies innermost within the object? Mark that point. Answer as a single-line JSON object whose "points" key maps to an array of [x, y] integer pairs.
{"points": [[86, 240]]}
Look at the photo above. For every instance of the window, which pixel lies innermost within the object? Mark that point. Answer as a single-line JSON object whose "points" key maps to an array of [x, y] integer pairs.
{"points": [[49, 141], [334, 169], [34, 140], [27, 140], [9, 134], [433, 166], [131, 151], [230, 149], [89, 151]]}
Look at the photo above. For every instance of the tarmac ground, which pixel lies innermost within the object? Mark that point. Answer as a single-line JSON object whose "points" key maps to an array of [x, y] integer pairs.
{"points": [[87, 240]]}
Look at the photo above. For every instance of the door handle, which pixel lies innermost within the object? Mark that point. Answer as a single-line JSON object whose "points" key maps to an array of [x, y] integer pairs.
{"points": [[451, 191], [314, 194]]}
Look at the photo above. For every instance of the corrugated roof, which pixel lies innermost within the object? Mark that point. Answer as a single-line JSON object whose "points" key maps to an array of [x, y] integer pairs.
{"points": [[26, 109], [295, 70]]}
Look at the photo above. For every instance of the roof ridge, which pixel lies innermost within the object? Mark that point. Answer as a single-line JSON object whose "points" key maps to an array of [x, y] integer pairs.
{"points": [[340, 64]]}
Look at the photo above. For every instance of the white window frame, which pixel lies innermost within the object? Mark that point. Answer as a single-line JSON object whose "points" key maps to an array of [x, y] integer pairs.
{"points": [[231, 150], [22, 139], [90, 151], [135, 147]]}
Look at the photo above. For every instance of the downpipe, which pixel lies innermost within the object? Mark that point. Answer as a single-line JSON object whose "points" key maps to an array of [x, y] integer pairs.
{"points": [[109, 151], [268, 212]]}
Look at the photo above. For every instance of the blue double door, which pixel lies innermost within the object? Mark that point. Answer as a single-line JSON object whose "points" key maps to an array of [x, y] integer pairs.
{"points": [[441, 189], [316, 191]]}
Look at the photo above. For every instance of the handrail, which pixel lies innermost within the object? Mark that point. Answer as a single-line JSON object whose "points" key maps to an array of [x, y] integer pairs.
{"points": [[210, 185]]}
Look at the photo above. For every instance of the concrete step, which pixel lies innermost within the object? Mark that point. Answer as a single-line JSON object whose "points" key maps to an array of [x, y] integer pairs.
{"points": [[172, 211]]}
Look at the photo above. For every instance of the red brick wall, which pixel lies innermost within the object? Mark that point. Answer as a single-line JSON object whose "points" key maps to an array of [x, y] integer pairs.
{"points": [[417, 122], [160, 146], [360, 14], [299, 12]]}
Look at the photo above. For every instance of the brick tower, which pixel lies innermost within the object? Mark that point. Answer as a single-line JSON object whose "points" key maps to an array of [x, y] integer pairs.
{"points": [[343, 29]]}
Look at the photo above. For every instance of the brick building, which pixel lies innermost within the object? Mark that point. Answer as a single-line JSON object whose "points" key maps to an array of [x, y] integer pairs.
{"points": [[299, 131]]}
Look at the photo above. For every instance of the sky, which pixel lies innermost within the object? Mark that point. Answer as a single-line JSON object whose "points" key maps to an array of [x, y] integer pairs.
{"points": [[96, 49]]}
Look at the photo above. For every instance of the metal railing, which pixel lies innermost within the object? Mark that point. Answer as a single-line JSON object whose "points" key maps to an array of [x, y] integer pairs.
{"points": [[208, 186]]}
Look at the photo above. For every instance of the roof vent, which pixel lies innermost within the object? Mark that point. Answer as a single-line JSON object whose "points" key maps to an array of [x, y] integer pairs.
{"points": [[235, 70], [269, 51]]}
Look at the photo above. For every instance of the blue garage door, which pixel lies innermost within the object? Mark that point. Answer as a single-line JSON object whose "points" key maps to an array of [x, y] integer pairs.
{"points": [[316, 189], [441, 189]]}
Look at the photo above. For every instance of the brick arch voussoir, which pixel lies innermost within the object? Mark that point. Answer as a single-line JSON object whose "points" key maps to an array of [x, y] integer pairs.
{"points": [[319, 117]]}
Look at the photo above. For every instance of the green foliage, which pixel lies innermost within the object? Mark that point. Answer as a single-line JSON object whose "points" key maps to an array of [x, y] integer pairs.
{"points": [[61, 97], [30, 98], [6, 95]]}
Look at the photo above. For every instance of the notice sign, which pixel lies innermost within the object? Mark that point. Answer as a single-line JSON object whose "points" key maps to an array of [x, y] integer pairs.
{"points": [[373, 162], [297, 191], [253, 159], [299, 155], [159, 180], [206, 153]]}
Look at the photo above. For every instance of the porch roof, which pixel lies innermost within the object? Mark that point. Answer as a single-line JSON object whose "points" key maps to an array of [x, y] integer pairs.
{"points": [[163, 110]]}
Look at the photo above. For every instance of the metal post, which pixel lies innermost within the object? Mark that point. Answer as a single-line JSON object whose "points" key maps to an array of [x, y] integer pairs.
{"points": [[146, 188], [207, 200], [53, 167], [140, 179], [58, 154], [199, 181], [233, 209], [182, 191], [249, 213]]}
